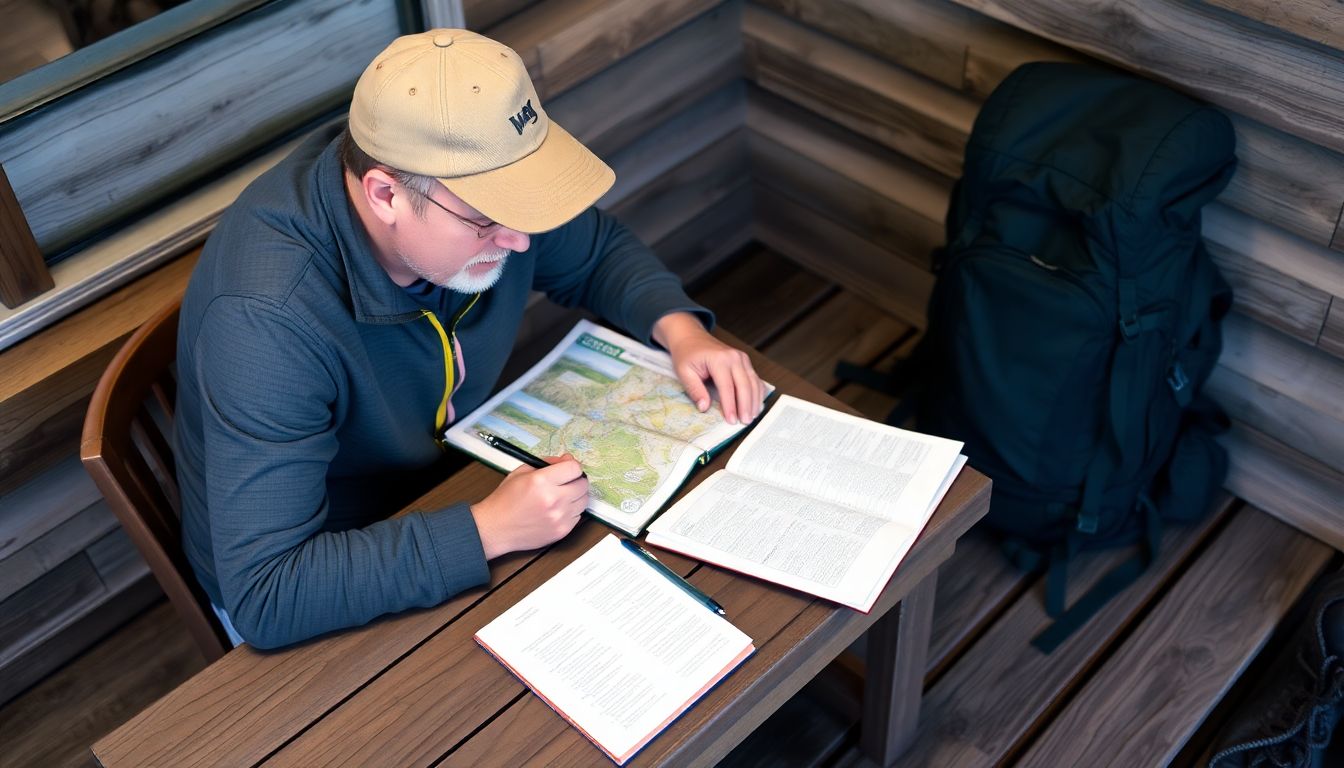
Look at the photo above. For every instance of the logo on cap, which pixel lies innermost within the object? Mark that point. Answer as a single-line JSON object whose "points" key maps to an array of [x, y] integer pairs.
{"points": [[524, 118]]}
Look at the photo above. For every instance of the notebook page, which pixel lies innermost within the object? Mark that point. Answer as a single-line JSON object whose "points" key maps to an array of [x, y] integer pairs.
{"points": [[615, 647], [846, 460]]}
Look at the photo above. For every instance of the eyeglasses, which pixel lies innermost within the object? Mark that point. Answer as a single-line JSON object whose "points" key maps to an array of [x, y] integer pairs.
{"points": [[482, 230]]}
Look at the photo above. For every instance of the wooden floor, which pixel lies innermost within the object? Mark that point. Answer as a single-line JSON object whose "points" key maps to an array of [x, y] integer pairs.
{"points": [[54, 722]]}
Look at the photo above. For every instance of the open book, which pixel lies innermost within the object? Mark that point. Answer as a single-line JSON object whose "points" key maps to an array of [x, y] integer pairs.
{"points": [[615, 647], [816, 500], [618, 407]]}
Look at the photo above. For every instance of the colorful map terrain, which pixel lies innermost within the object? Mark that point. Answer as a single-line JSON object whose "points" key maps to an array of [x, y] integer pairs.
{"points": [[626, 424]]}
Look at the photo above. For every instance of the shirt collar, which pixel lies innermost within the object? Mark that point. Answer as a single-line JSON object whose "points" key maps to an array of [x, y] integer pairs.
{"points": [[373, 295]]}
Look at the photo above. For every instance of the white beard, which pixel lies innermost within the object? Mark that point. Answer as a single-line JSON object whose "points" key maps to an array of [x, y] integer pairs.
{"points": [[463, 281]]}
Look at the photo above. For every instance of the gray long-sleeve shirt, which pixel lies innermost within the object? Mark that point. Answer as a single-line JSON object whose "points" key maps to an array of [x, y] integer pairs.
{"points": [[308, 389]]}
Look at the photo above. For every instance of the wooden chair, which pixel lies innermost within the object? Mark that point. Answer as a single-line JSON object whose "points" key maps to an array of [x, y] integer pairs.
{"points": [[125, 449]]}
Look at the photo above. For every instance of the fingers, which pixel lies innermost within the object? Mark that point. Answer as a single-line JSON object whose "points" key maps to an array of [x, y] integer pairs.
{"points": [[563, 469], [740, 389], [723, 382], [694, 385]]}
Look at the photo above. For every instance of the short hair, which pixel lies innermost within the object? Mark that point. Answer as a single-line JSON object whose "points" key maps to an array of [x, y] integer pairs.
{"points": [[358, 162]]}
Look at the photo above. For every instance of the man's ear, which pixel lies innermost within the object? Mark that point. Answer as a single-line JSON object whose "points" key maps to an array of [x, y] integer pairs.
{"points": [[382, 192]]}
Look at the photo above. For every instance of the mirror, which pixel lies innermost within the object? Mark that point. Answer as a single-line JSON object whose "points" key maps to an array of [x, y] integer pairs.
{"points": [[37, 32]]}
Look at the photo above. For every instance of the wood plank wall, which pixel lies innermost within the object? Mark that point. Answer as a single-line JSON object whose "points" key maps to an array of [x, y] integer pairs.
{"points": [[861, 110], [678, 145]]}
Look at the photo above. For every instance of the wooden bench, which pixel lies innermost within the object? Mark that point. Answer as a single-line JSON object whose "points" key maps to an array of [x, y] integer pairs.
{"points": [[1139, 684]]}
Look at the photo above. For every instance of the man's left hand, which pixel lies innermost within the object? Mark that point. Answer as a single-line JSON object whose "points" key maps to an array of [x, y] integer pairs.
{"points": [[698, 357]]}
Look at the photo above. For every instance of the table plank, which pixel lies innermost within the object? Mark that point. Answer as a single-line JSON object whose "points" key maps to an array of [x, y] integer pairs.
{"points": [[440, 693], [249, 703], [760, 610], [344, 697], [350, 734], [788, 656]]}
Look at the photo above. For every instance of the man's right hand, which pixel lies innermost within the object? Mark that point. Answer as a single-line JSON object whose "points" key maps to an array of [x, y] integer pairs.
{"points": [[532, 507]]}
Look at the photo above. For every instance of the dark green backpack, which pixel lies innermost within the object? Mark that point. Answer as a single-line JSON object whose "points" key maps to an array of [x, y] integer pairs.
{"points": [[1076, 316]]}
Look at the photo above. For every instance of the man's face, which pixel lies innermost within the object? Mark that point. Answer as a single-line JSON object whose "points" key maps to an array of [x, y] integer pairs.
{"points": [[442, 246]]}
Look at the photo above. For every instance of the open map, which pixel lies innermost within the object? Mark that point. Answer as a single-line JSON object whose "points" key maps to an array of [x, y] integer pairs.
{"points": [[614, 404]]}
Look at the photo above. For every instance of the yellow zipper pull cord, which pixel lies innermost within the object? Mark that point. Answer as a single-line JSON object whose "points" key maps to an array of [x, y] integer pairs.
{"points": [[442, 414], [449, 370]]}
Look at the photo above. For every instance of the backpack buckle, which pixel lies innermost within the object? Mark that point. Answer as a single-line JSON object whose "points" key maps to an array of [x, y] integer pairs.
{"points": [[1176, 378], [1130, 327], [1088, 521]]}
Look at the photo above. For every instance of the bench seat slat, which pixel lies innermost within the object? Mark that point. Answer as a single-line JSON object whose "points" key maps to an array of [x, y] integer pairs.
{"points": [[990, 701], [974, 587], [1155, 691]]}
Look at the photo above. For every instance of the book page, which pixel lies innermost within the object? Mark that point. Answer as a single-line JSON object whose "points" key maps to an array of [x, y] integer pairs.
{"points": [[784, 537], [615, 647], [846, 460], [618, 407]]}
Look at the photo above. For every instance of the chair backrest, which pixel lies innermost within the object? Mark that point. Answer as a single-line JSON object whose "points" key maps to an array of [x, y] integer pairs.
{"points": [[126, 450]]}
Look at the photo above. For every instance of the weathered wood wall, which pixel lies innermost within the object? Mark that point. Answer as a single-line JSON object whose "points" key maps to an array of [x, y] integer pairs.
{"points": [[67, 572], [861, 110]]}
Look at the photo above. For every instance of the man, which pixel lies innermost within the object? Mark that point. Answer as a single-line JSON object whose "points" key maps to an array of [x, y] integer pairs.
{"points": [[361, 295]]}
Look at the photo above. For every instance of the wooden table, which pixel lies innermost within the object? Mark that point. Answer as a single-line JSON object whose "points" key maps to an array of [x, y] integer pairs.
{"points": [[415, 689]]}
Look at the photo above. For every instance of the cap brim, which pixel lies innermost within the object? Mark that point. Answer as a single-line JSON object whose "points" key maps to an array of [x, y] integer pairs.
{"points": [[542, 191]]}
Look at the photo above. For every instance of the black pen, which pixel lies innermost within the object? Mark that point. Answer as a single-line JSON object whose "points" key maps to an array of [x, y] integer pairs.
{"points": [[521, 454], [685, 585]]}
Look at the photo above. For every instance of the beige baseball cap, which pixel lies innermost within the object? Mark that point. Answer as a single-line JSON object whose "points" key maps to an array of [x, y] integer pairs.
{"points": [[460, 107]]}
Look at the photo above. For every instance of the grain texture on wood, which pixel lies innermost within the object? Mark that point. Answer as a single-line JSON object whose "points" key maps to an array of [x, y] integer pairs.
{"points": [[49, 377], [40, 606], [1282, 251], [60, 644], [1268, 410], [623, 102], [76, 532], [984, 708], [1320, 21], [23, 272], [481, 14], [853, 329], [564, 43], [867, 163], [116, 679], [443, 688], [160, 127], [709, 240], [920, 119], [1299, 371], [1332, 334], [1197, 640], [924, 37], [880, 195], [894, 682], [1284, 83], [975, 586], [675, 197], [995, 49], [31, 511], [689, 132], [1287, 181], [1270, 297], [304, 680], [1286, 483], [826, 248], [757, 316]]}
